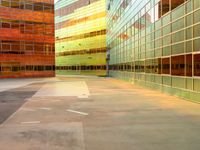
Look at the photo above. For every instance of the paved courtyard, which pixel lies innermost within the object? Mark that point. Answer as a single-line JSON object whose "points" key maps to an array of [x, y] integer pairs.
{"points": [[93, 113]]}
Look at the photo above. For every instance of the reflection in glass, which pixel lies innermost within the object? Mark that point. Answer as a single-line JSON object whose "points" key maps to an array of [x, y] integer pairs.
{"points": [[197, 65], [178, 65], [165, 66]]}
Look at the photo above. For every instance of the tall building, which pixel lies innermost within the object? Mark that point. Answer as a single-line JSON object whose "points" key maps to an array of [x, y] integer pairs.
{"points": [[27, 38], [156, 43], [80, 37]]}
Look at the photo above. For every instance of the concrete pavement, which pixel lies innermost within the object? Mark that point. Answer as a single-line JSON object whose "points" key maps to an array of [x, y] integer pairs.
{"points": [[76, 113]]}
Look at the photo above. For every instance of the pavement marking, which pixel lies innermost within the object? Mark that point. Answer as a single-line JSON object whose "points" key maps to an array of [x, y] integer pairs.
{"points": [[83, 96], [78, 112], [45, 108], [27, 109], [73, 88], [31, 122]]}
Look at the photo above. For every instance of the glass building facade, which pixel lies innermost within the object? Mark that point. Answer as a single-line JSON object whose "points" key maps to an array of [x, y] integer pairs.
{"points": [[27, 38], [80, 37], [156, 43]]}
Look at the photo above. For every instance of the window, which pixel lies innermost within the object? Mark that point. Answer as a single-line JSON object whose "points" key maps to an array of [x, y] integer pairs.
{"points": [[6, 24], [29, 6], [166, 51], [178, 36], [176, 3], [178, 48], [197, 45], [196, 16], [15, 4], [5, 3], [197, 30], [196, 4], [178, 65], [166, 29], [6, 46], [189, 20], [48, 8], [165, 6], [157, 66], [15, 68], [177, 25], [29, 68], [38, 7], [165, 66], [149, 66], [189, 65], [189, 33], [197, 65]]}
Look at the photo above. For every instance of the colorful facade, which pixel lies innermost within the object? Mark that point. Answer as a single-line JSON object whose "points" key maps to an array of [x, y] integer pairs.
{"points": [[27, 38], [80, 37], [156, 43]]}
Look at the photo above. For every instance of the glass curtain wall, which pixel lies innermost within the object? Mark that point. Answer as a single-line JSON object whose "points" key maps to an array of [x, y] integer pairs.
{"points": [[80, 37], [156, 43]]}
